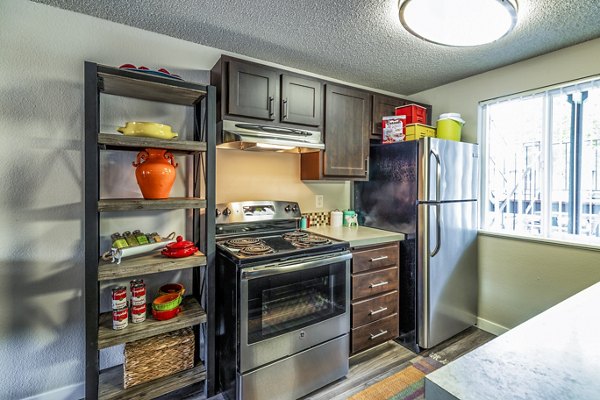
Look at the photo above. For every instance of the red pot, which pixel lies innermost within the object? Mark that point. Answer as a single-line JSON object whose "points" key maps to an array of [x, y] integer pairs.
{"points": [[181, 248]]}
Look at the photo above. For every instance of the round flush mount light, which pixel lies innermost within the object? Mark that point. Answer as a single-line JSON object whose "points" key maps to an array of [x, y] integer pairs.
{"points": [[458, 22]]}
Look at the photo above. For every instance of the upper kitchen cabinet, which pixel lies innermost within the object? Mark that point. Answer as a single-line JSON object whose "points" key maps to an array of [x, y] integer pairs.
{"points": [[384, 106], [252, 92], [347, 127]]}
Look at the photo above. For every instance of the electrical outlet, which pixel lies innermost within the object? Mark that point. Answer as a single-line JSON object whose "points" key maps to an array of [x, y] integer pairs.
{"points": [[319, 201]]}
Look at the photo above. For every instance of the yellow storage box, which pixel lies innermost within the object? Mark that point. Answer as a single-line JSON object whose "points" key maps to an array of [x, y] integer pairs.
{"points": [[418, 131]]}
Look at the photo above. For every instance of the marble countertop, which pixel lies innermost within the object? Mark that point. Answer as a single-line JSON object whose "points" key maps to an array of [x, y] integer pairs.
{"points": [[554, 355], [358, 235]]}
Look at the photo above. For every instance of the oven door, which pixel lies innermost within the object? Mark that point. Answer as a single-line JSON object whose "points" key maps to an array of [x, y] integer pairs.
{"points": [[291, 306]]}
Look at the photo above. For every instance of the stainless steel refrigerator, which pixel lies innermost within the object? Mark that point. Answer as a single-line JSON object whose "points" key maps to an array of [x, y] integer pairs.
{"points": [[427, 189]]}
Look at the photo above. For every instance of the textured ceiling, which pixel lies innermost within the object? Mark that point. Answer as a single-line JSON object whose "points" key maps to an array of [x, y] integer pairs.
{"points": [[359, 41]]}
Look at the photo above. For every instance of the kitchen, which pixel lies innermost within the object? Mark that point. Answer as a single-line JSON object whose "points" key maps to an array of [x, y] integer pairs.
{"points": [[42, 71]]}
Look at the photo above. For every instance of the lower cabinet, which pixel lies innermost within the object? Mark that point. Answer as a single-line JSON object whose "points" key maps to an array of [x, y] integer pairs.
{"points": [[374, 295]]}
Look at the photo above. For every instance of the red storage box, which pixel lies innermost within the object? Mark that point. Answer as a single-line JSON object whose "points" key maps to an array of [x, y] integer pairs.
{"points": [[415, 114]]}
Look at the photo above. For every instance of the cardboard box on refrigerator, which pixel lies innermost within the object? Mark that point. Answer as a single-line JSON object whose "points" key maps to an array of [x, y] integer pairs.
{"points": [[393, 129]]}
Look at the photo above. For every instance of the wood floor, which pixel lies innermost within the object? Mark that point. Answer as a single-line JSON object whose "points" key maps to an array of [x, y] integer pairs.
{"points": [[385, 360]]}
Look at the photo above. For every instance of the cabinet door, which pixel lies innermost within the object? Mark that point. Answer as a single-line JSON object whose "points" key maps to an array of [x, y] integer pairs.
{"points": [[300, 100], [347, 121], [252, 91], [383, 106]]}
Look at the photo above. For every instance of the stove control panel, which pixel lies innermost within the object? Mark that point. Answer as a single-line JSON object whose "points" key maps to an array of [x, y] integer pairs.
{"points": [[250, 211]]}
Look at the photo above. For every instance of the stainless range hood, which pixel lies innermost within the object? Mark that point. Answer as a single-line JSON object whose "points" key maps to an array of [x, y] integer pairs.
{"points": [[258, 137]]}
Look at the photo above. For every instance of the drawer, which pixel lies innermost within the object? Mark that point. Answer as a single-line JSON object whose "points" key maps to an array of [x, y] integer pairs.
{"points": [[374, 333], [374, 258], [372, 283], [370, 310]]}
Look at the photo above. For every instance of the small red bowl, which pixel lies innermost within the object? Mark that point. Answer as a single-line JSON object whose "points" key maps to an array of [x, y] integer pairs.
{"points": [[170, 288], [165, 315]]}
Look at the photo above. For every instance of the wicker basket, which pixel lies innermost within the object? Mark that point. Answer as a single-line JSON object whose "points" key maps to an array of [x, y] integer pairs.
{"points": [[158, 356]]}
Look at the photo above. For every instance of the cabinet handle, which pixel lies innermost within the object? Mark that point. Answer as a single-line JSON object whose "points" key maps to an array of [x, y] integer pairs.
{"points": [[375, 336], [378, 258], [382, 309], [285, 109], [271, 101], [374, 285]]}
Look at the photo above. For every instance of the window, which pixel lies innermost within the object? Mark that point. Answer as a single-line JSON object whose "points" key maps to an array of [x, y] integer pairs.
{"points": [[541, 163]]}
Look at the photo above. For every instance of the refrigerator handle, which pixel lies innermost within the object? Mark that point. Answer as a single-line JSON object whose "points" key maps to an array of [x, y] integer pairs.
{"points": [[438, 174], [438, 232]]}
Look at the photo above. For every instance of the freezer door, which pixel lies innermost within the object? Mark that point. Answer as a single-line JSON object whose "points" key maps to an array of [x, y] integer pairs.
{"points": [[449, 170], [446, 270]]}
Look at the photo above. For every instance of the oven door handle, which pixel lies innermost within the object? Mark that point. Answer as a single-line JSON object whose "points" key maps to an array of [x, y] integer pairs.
{"points": [[282, 268]]}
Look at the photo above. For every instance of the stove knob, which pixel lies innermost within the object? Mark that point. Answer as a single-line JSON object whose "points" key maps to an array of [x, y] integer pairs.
{"points": [[287, 208], [295, 208], [218, 212], [226, 211]]}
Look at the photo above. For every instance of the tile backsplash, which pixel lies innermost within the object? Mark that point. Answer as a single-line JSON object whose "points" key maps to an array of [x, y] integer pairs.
{"points": [[317, 218]]}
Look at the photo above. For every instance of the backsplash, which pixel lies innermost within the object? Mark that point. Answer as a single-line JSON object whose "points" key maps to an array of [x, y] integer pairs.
{"points": [[317, 218]]}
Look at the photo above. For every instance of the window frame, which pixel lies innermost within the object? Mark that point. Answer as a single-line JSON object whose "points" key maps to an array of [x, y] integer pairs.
{"points": [[546, 167]]}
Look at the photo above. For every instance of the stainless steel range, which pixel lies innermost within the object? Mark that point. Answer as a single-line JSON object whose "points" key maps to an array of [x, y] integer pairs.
{"points": [[283, 302]]}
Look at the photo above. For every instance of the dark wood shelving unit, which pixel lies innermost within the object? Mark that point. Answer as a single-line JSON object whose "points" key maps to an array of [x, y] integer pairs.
{"points": [[144, 86], [197, 308], [191, 314], [147, 264], [111, 384], [113, 141], [173, 203]]}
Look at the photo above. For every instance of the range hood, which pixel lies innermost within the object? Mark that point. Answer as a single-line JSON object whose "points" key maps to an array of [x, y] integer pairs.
{"points": [[258, 137]]}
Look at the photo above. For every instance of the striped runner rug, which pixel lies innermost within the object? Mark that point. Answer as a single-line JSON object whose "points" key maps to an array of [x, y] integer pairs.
{"points": [[408, 384]]}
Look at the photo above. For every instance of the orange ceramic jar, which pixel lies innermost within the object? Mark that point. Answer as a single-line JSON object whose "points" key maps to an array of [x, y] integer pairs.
{"points": [[155, 173]]}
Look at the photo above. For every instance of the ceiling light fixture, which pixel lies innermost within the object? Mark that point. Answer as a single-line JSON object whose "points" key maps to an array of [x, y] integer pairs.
{"points": [[458, 22]]}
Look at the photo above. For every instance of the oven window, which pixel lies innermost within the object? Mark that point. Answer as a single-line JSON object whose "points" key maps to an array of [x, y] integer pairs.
{"points": [[293, 300]]}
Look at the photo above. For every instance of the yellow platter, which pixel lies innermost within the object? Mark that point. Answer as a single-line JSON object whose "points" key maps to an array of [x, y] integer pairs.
{"points": [[147, 129]]}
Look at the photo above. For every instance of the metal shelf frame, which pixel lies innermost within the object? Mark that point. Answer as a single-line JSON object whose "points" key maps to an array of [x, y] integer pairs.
{"points": [[98, 80]]}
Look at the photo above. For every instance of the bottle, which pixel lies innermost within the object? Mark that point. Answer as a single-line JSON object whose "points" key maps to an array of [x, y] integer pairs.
{"points": [[303, 223], [156, 237], [140, 237], [131, 240], [118, 241]]}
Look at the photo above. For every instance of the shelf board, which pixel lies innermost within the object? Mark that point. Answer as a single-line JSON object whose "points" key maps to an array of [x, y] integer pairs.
{"points": [[140, 85], [172, 203], [191, 314], [147, 264], [121, 142], [111, 384]]}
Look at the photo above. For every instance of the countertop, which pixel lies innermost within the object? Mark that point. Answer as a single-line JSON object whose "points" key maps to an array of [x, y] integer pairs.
{"points": [[358, 235], [554, 355]]}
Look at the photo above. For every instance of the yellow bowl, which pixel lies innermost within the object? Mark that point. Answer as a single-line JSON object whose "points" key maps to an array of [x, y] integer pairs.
{"points": [[147, 129]]}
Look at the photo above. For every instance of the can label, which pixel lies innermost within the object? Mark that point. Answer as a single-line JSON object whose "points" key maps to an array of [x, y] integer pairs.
{"points": [[138, 313], [138, 294], [120, 318], [119, 297]]}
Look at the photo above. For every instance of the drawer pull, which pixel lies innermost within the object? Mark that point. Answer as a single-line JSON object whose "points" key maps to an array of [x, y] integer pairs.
{"points": [[381, 333], [374, 285], [378, 258], [382, 309]]}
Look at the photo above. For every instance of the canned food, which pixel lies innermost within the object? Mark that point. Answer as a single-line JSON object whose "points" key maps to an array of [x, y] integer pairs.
{"points": [[120, 318], [138, 313], [119, 297], [138, 293]]}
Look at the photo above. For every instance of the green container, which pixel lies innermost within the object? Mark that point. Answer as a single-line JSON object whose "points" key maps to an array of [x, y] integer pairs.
{"points": [[347, 214], [449, 126]]}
